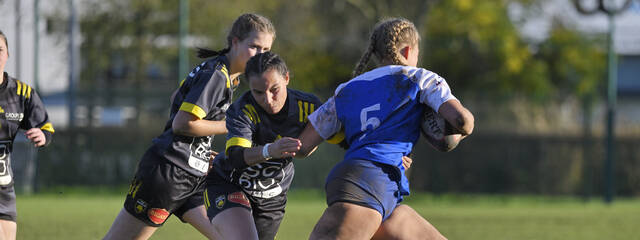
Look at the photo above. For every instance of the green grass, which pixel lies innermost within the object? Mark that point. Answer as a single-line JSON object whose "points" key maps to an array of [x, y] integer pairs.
{"points": [[88, 215]]}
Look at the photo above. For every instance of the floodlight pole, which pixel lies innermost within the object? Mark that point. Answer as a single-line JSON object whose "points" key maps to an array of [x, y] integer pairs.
{"points": [[612, 90], [612, 96], [183, 59]]}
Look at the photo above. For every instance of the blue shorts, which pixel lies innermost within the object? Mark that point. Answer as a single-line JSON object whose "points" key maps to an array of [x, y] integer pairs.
{"points": [[365, 183]]}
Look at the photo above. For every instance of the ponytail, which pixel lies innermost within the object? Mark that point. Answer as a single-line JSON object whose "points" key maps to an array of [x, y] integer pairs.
{"points": [[207, 53]]}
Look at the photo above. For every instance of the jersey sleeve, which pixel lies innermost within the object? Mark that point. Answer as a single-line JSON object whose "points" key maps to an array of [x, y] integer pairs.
{"points": [[240, 125], [434, 90], [205, 92], [35, 114], [325, 119]]}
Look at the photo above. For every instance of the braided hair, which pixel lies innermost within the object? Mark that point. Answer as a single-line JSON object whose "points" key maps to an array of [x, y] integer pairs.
{"points": [[384, 41], [263, 62], [242, 27]]}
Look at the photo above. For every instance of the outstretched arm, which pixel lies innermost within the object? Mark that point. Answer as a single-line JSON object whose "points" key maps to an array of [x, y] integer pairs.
{"points": [[310, 140], [281, 148]]}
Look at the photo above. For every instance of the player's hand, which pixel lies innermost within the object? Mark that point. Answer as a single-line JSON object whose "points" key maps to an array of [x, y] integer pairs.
{"points": [[36, 136], [406, 162], [284, 147]]}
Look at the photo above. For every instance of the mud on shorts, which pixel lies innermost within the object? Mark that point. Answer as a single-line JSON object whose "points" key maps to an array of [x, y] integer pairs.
{"points": [[8, 203], [267, 213], [365, 183], [160, 189]]}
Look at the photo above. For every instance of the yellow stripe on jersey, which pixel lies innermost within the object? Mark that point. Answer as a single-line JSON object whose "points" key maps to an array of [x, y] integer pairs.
{"points": [[253, 111], [193, 109], [226, 74], [237, 141], [24, 89], [19, 87], [207, 204], [306, 111], [182, 82], [48, 127], [28, 92], [312, 109], [300, 111], [336, 138], [133, 189], [248, 115], [1, 110]]}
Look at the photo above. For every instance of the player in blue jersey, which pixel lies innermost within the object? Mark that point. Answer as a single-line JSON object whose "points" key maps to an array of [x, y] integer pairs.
{"points": [[20, 108], [170, 177], [247, 187], [380, 112]]}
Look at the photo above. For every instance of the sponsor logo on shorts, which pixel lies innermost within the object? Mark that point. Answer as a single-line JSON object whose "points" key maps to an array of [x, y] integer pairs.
{"points": [[157, 215], [239, 198], [220, 200], [141, 205]]}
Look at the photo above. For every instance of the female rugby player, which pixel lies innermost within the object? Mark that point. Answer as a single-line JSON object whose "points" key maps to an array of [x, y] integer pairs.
{"points": [[380, 112], [20, 108], [170, 177]]}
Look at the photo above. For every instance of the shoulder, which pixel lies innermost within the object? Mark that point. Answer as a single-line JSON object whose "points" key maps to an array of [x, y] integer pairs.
{"points": [[303, 96], [215, 68], [242, 102], [421, 76], [244, 108], [374, 74]]}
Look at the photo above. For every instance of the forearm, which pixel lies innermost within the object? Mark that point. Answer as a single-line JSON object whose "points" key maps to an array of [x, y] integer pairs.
{"points": [[458, 116], [285, 147], [310, 140], [200, 127], [253, 156]]}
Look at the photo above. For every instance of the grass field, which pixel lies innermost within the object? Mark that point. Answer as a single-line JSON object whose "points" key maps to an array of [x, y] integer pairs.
{"points": [[87, 215]]}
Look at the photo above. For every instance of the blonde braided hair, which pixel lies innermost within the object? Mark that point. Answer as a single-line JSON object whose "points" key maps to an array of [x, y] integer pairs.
{"points": [[384, 42]]}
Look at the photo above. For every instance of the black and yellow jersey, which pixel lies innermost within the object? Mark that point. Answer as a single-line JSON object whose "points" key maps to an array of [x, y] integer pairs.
{"points": [[20, 108], [249, 125], [206, 93]]}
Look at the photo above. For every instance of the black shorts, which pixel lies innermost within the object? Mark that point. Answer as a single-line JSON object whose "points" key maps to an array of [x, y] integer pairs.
{"points": [[267, 212], [160, 188], [8, 204]]}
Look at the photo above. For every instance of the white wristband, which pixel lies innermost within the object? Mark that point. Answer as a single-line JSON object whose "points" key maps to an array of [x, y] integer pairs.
{"points": [[265, 151]]}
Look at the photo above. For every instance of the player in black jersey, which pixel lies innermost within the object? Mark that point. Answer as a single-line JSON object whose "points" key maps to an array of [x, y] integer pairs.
{"points": [[20, 108], [246, 189], [170, 176]]}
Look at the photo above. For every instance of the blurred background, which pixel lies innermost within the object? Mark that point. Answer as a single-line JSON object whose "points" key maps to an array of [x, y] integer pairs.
{"points": [[554, 85]]}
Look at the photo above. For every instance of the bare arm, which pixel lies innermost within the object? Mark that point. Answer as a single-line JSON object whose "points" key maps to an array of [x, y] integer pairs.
{"points": [[458, 116], [188, 124], [281, 148], [310, 140]]}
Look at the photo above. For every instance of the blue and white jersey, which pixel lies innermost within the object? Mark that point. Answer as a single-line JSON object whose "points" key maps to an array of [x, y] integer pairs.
{"points": [[380, 112]]}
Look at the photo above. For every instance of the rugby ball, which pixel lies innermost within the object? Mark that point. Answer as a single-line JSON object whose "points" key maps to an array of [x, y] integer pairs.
{"points": [[438, 132]]}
